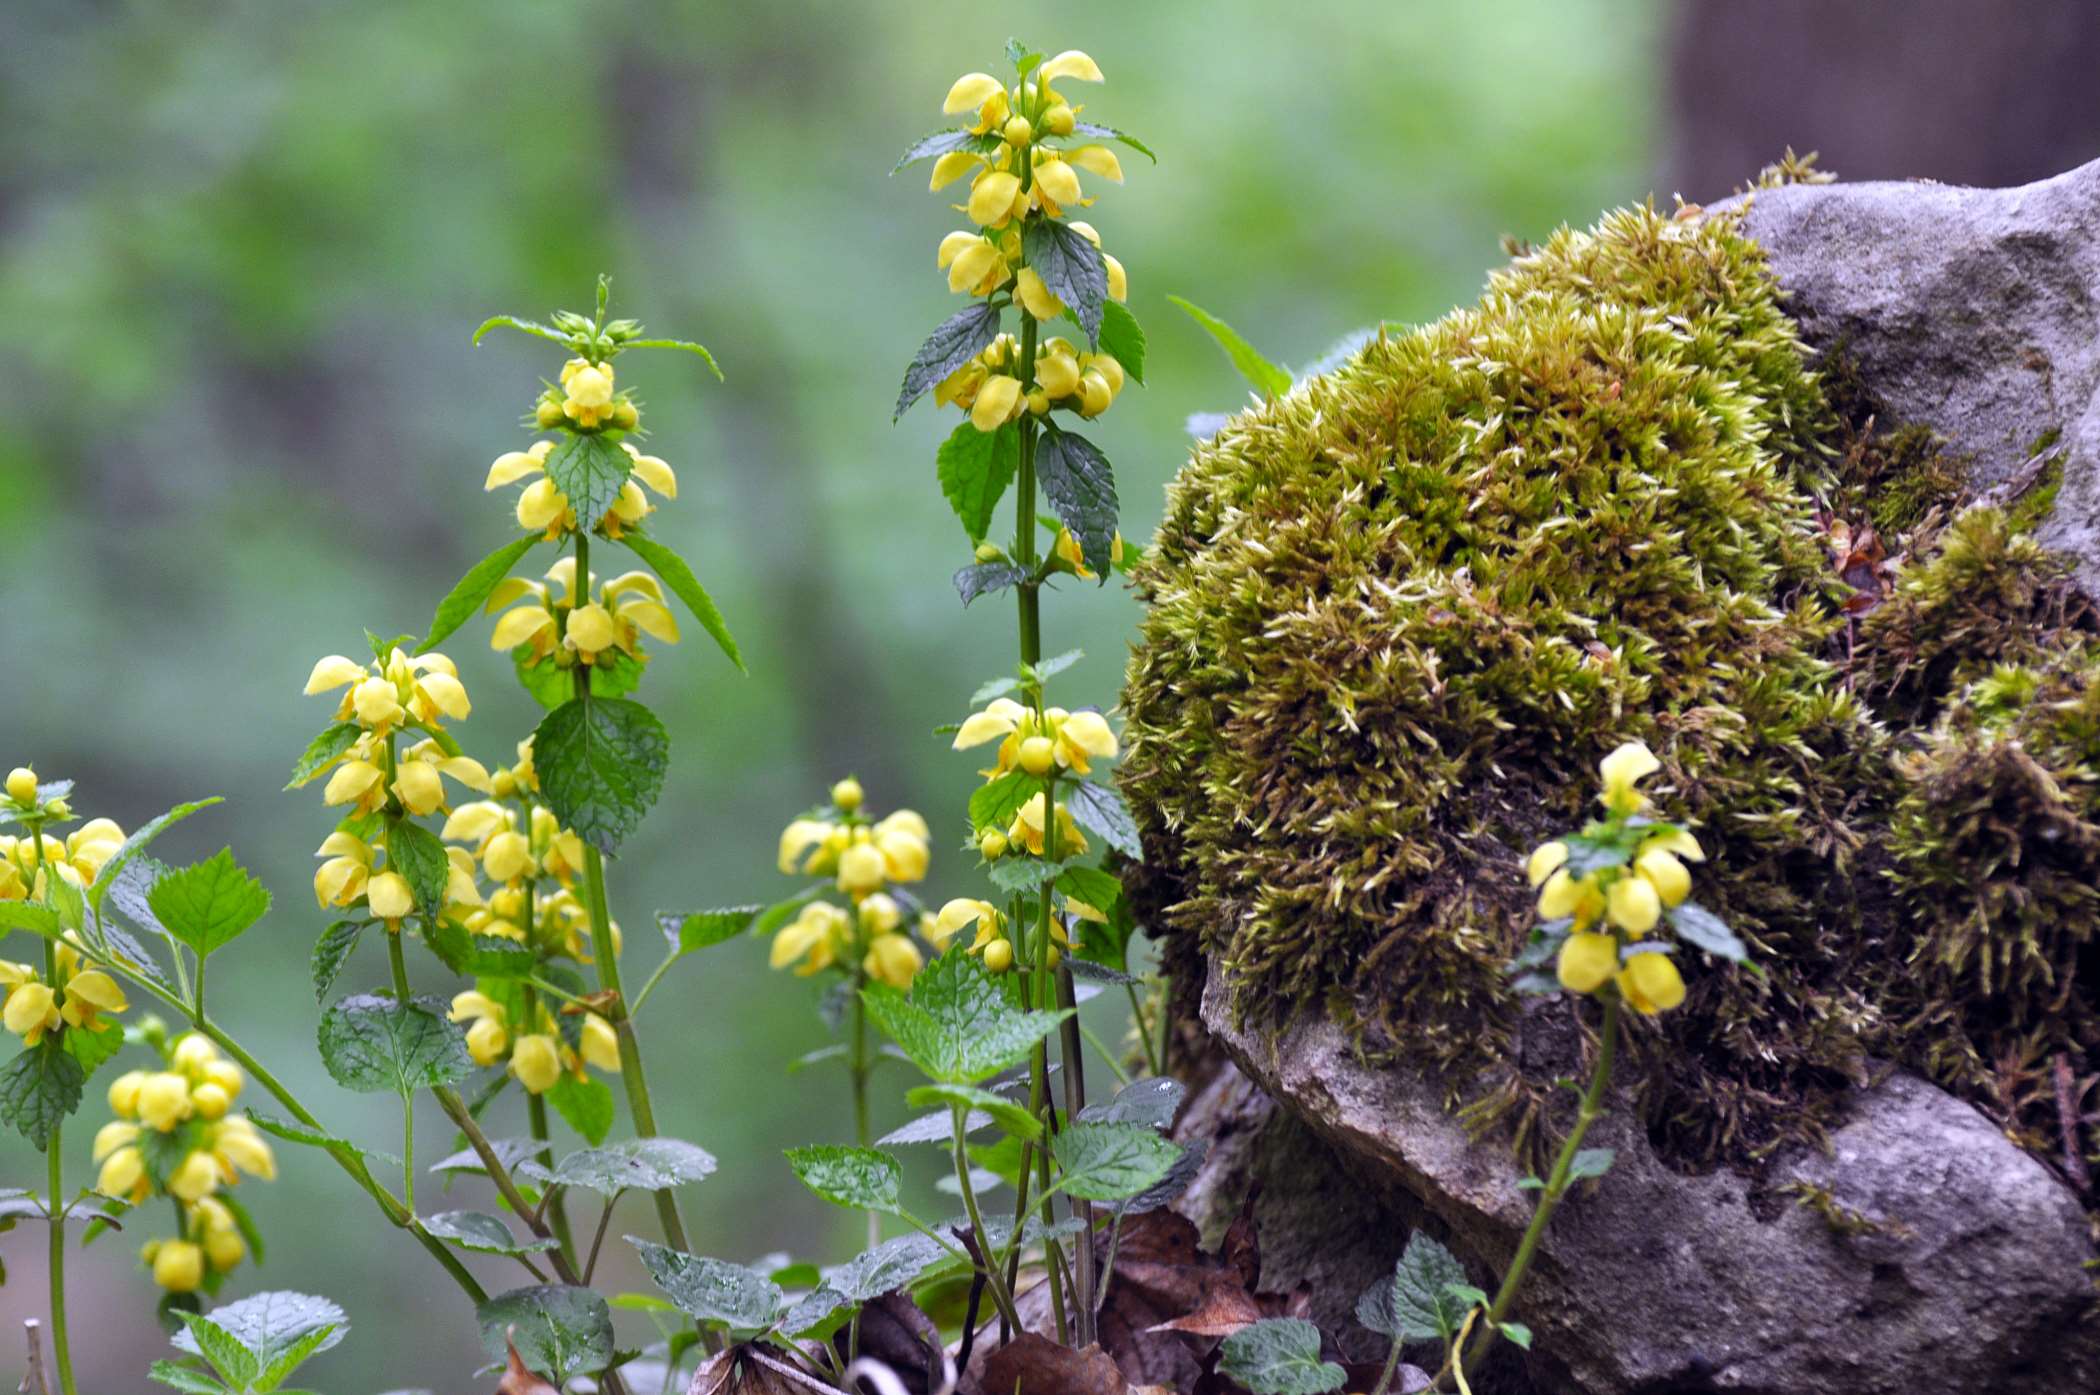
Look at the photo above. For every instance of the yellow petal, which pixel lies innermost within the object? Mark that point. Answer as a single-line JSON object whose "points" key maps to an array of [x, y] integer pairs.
{"points": [[509, 589], [389, 897], [1032, 293], [1097, 159], [953, 246], [509, 468], [988, 725], [540, 505], [446, 694], [1651, 983], [1058, 182], [992, 198], [951, 167], [651, 619], [638, 582], [417, 785], [1633, 905], [657, 475], [1545, 860], [1676, 842], [971, 91], [996, 403], [1662, 870], [468, 771], [519, 625], [1090, 732], [906, 821], [591, 628], [350, 781], [1586, 961], [333, 672], [1069, 64]]}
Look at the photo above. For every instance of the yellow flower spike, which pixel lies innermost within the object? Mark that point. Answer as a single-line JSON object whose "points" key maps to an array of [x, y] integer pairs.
{"points": [[862, 869], [1069, 64], [542, 507], [333, 672], [178, 1266], [1651, 983], [1545, 860], [1677, 843], [123, 1175], [509, 468], [1622, 770], [951, 167], [1096, 159], [970, 92], [1633, 905], [1586, 961], [1057, 185], [31, 1011], [536, 1062], [112, 1136], [417, 786], [799, 838], [194, 1178], [999, 956], [998, 402], [124, 1094], [1035, 296], [892, 959], [163, 1100], [1661, 870], [992, 198], [389, 898]]}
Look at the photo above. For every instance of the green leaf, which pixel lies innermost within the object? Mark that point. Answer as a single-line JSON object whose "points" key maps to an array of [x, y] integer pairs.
{"points": [[1099, 809], [132, 846], [1152, 1102], [36, 918], [466, 597], [482, 1233], [1415, 1304], [561, 1332], [712, 1290], [1517, 1332], [1698, 926], [636, 1164], [184, 1378], [322, 751], [279, 1329], [415, 852], [1107, 1162], [975, 467], [1590, 1162], [586, 1106], [1022, 57], [92, 1048], [994, 804], [957, 340], [482, 956], [373, 1043], [674, 572], [39, 1088], [1587, 854], [1071, 267], [1081, 487], [957, 1025], [236, 1365], [1123, 339], [1268, 379], [590, 471], [940, 143], [70, 903], [208, 904], [982, 578], [691, 930], [1091, 885], [1023, 874], [601, 766], [1009, 1114], [551, 685], [1279, 1356], [293, 1132], [863, 1179], [1101, 132]]}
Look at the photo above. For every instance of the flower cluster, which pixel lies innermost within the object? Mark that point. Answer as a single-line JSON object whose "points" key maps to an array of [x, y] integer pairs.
{"points": [[990, 940], [27, 861], [543, 508], [33, 1009], [989, 386], [175, 1135], [1039, 743], [404, 693], [540, 1057], [1630, 873], [535, 863], [870, 863], [548, 626]]}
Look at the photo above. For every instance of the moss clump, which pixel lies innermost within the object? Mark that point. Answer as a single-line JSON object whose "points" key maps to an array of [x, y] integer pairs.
{"points": [[1397, 616]]}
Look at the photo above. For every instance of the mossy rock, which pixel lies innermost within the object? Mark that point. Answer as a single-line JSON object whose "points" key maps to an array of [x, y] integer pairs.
{"points": [[1396, 616]]}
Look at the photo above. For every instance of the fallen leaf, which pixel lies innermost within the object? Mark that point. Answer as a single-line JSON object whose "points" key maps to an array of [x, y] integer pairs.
{"points": [[1033, 1364]]}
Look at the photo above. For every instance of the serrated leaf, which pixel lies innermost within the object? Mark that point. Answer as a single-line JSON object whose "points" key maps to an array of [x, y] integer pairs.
{"points": [[863, 1179], [1081, 487], [126, 948], [688, 931], [92, 1048], [208, 904], [561, 1332], [1123, 339], [957, 1025], [279, 1329], [975, 467], [585, 1105], [1101, 132], [39, 1088], [132, 846], [236, 1365], [994, 804], [1698, 926], [184, 1378], [1071, 266], [372, 1043], [1023, 874], [322, 751], [1269, 380], [940, 143], [1168, 1189], [292, 1131], [892, 1265], [636, 1164], [415, 852], [1099, 809], [34, 917], [511, 1152], [1107, 1162], [601, 766], [712, 1290], [466, 596], [957, 340], [673, 571], [1008, 1114], [589, 470], [482, 1233], [1152, 1102], [936, 1127], [1092, 886], [1415, 1304], [1278, 1356], [983, 578]]}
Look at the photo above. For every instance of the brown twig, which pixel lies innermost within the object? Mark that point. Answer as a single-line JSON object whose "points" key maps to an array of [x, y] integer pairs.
{"points": [[2067, 1119], [33, 1374]]}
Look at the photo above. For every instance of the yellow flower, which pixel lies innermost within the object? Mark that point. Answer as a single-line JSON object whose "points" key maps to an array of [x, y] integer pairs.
{"points": [[123, 1175], [652, 471], [21, 785], [998, 402], [236, 1144], [194, 1178], [341, 879], [536, 1061], [1563, 896], [1096, 159], [1032, 293], [970, 92], [1078, 736], [993, 195], [1651, 983], [164, 1100], [801, 843], [31, 1011], [590, 394], [419, 688], [224, 1247], [961, 913], [1622, 769], [1586, 961], [1057, 369], [489, 1035], [1661, 870], [974, 265], [601, 1044], [178, 1266], [1056, 186], [1545, 860], [879, 914], [863, 868], [892, 959], [1677, 843], [1073, 556], [811, 941], [543, 508], [1027, 829], [1633, 905], [88, 993], [1072, 64], [951, 167], [124, 1094], [389, 898], [999, 956]]}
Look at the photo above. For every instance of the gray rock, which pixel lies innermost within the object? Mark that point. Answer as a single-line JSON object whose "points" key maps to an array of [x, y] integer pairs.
{"points": [[1974, 311], [1965, 1273]]}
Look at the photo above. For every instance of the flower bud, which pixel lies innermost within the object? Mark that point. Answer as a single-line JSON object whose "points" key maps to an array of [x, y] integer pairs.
{"points": [[999, 956], [547, 414], [991, 845], [624, 414], [21, 785], [389, 897], [990, 552], [193, 1052], [194, 1178], [164, 1100], [536, 1062], [210, 1101], [178, 1266], [121, 1173], [486, 1041], [224, 1248], [847, 794], [124, 1094], [1017, 131], [601, 1044], [1058, 119], [862, 869], [1038, 754], [226, 1075]]}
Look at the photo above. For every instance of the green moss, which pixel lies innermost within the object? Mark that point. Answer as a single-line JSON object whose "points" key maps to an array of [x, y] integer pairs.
{"points": [[1396, 617]]}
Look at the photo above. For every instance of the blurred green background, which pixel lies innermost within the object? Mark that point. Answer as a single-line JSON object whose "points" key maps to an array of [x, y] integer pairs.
{"points": [[241, 249]]}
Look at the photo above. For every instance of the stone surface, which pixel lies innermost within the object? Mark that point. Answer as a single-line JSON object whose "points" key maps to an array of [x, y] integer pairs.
{"points": [[1653, 1281], [1974, 311]]}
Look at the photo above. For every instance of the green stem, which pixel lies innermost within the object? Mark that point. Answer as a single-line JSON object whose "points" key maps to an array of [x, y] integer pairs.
{"points": [[54, 1157], [399, 964], [1556, 1186], [1392, 1365], [536, 1113], [859, 1065], [985, 1263], [1075, 1100], [1144, 1031], [605, 959]]}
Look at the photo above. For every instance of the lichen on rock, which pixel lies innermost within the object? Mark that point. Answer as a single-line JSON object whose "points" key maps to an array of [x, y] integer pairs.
{"points": [[1397, 615]]}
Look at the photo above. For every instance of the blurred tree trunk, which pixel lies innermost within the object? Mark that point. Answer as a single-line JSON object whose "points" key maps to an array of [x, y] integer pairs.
{"points": [[1987, 92]]}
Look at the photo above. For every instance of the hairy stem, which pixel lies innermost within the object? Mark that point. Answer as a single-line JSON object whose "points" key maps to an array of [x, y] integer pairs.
{"points": [[986, 1265]]}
